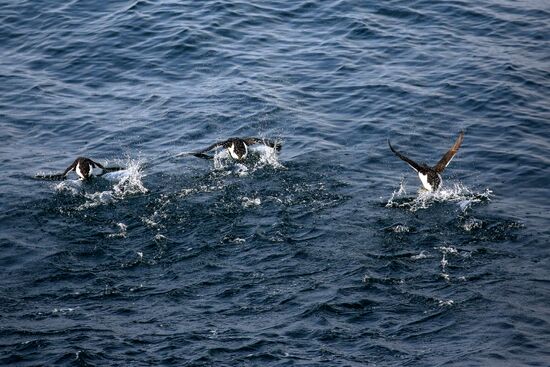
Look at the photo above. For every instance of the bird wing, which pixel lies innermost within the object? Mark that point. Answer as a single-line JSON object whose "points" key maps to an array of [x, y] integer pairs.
{"points": [[54, 177], [446, 159], [72, 167], [58, 176], [106, 169], [268, 142], [110, 169], [417, 167], [95, 164], [113, 169], [201, 153]]}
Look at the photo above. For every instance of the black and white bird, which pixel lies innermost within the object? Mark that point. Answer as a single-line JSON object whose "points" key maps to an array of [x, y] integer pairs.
{"points": [[237, 147], [431, 176], [84, 168]]}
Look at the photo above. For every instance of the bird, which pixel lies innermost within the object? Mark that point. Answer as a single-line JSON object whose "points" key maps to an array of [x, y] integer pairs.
{"points": [[431, 176], [237, 147], [84, 168]]}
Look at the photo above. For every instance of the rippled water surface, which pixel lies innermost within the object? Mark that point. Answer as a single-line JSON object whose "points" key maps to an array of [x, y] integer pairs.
{"points": [[324, 254]]}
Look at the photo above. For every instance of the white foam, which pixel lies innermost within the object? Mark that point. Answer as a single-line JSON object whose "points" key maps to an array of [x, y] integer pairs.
{"points": [[201, 189], [420, 256], [447, 250], [400, 228], [248, 202], [129, 180], [160, 237], [267, 156], [221, 159], [149, 222], [401, 191], [456, 193], [72, 187], [122, 233], [126, 182], [97, 199], [236, 240], [472, 223], [240, 169], [444, 262]]}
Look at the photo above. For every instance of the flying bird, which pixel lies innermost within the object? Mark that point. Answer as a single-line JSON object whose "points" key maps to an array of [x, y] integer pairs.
{"points": [[431, 176]]}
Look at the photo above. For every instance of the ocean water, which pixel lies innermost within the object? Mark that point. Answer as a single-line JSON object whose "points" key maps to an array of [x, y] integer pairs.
{"points": [[325, 254]]}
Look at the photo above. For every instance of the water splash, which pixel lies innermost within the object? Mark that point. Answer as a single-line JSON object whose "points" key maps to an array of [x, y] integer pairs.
{"points": [[129, 181], [268, 157], [457, 193], [471, 224], [248, 202], [122, 231], [203, 188], [72, 187], [126, 182], [97, 199], [260, 156], [420, 256], [240, 169], [444, 303], [401, 191], [398, 228], [220, 159]]}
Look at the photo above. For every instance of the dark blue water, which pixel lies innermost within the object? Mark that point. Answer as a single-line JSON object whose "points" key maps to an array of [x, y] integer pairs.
{"points": [[326, 254]]}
